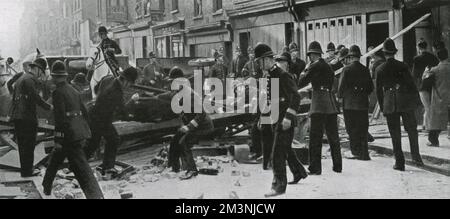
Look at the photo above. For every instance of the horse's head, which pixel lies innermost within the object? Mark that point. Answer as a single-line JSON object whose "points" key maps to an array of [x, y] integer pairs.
{"points": [[95, 57]]}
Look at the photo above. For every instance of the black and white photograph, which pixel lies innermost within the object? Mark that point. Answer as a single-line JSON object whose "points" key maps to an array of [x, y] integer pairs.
{"points": [[245, 102]]}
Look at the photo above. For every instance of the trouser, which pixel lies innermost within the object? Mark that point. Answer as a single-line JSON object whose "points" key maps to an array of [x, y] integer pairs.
{"points": [[78, 164], [318, 123], [104, 130], [262, 142], [357, 125], [181, 148], [410, 124], [26, 133], [282, 152], [433, 137], [425, 97]]}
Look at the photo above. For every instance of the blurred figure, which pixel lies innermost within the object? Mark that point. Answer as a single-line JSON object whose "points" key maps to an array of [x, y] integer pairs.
{"points": [[238, 63], [421, 62], [82, 86], [331, 52], [437, 117], [219, 69], [297, 65], [153, 72]]}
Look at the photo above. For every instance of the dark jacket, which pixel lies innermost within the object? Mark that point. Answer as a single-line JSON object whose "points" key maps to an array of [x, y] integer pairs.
{"points": [[25, 99], [355, 87], [252, 69], [289, 96], [70, 115], [219, 71], [396, 90], [321, 76], [421, 62], [297, 68], [238, 64], [109, 43], [12, 81], [110, 101], [85, 92], [150, 71], [196, 122]]}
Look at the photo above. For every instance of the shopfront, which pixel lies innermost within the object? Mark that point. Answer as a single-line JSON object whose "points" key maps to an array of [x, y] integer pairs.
{"points": [[169, 39]]}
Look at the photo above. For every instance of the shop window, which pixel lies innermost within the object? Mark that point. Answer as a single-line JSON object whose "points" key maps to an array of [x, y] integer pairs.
{"points": [[174, 5], [358, 20], [177, 47], [162, 5], [198, 8], [333, 23], [349, 21], [217, 5], [144, 47]]}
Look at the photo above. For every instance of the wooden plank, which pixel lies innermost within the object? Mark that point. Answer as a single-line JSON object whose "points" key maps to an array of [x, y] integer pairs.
{"points": [[41, 125], [10, 192], [4, 128], [7, 139], [12, 159]]}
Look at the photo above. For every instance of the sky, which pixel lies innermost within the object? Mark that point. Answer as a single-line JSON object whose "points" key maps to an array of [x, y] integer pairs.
{"points": [[10, 14]]}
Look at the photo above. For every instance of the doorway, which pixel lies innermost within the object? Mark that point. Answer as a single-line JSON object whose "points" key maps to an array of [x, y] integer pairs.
{"points": [[377, 34], [244, 41]]}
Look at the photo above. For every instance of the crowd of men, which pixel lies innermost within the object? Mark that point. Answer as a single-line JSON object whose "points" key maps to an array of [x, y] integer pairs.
{"points": [[79, 131], [397, 92]]}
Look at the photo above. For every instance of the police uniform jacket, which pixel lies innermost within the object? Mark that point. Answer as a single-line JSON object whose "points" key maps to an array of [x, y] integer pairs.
{"points": [[396, 90], [25, 99], [321, 76], [289, 98], [355, 87], [70, 115], [109, 101]]}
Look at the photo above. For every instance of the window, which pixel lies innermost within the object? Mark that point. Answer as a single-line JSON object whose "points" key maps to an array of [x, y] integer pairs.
{"points": [[162, 5], [197, 8], [217, 5], [174, 5], [177, 47]]}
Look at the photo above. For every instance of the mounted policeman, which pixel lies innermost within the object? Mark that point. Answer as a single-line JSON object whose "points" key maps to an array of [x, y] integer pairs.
{"points": [[110, 49]]}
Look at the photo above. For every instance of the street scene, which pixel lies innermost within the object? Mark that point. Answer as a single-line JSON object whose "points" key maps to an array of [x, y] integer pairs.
{"points": [[224, 100]]}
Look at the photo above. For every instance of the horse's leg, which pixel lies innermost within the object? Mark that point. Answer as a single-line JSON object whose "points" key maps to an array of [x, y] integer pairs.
{"points": [[93, 84]]}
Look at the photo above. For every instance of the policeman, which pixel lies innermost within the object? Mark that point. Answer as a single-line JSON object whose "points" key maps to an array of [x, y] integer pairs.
{"points": [[261, 134], [354, 88], [251, 68], [110, 101], [82, 86], [324, 110], [110, 49], [153, 72], [297, 64], [219, 69], [24, 116], [289, 101], [196, 126], [238, 63], [331, 51], [71, 132], [399, 98]]}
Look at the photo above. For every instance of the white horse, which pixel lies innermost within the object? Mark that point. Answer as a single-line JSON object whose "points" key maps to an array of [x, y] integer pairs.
{"points": [[97, 63]]}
